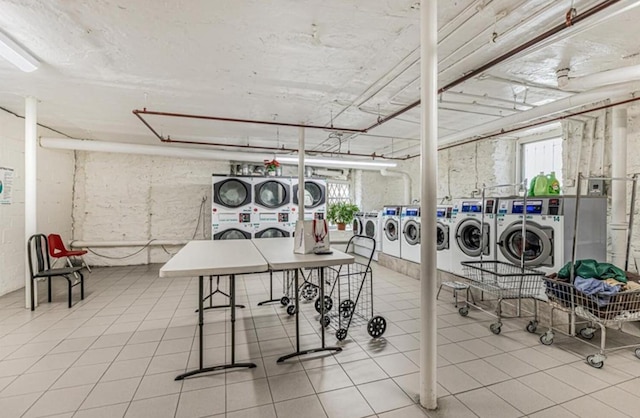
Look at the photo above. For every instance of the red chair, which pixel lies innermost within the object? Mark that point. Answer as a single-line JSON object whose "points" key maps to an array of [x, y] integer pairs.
{"points": [[58, 250]]}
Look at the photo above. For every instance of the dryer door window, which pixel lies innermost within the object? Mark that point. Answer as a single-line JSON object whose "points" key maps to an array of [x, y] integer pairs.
{"points": [[272, 194], [357, 226], [470, 239], [538, 247], [232, 193], [370, 229], [272, 233], [391, 229], [232, 234], [442, 240], [314, 194], [412, 232]]}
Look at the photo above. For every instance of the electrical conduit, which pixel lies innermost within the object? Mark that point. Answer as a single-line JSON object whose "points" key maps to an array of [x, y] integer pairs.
{"points": [[619, 187]]}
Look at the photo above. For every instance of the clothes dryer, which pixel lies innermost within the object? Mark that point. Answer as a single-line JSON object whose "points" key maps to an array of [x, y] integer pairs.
{"points": [[391, 231], [472, 240], [549, 230], [272, 208], [443, 241], [231, 207], [410, 242], [315, 196]]}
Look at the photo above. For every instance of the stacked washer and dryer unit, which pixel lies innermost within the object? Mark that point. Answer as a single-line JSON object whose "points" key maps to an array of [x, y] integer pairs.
{"points": [[262, 207]]}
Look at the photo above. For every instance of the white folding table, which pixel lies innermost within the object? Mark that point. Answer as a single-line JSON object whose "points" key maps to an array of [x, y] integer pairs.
{"points": [[211, 258], [278, 252]]}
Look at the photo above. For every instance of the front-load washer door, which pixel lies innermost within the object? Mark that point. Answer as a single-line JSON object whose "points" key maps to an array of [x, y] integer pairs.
{"points": [[391, 229], [232, 234], [357, 226], [538, 249], [412, 232], [272, 233], [469, 238], [370, 228], [272, 194], [232, 193], [442, 240], [314, 194]]}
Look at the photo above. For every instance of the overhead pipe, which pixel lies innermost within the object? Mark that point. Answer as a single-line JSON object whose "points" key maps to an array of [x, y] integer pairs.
{"points": [[30, 189], [193, 153], [569, 21], [571, 102], [619, 188], [406, 181], [114, 244], [604, 78]]}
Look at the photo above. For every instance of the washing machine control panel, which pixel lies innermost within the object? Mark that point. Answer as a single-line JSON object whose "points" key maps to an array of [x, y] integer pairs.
{"points": [[244, 218]]}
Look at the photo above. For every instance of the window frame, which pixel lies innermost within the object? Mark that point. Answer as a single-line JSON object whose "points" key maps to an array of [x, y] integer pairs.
{"points": [[520, 143]]}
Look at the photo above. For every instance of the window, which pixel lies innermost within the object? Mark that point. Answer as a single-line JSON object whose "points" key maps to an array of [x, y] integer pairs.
{"points": [[545, 156], [337, 192]]}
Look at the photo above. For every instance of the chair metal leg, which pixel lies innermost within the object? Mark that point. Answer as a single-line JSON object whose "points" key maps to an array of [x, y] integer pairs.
{"points": [[439, 289], [49, 288], [81, 286], [85, 263], [33, 304], [70, 290]]}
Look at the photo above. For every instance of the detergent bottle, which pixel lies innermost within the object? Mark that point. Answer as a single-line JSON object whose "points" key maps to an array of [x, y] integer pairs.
{"points": [[540, 187], [532, 184], [553, 184]]}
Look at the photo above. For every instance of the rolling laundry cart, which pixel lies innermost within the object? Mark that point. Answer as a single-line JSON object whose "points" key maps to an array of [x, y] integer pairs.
{"points": [[351, 295], [308, 290], [600, 309]]}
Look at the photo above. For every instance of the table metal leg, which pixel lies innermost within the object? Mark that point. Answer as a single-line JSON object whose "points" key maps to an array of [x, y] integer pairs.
{"points": [[311, 350], [271, 299], [233, 364], [213, 292]]}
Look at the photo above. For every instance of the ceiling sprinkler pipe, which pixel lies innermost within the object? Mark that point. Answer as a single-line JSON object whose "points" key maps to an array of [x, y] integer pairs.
{"points": [[592, 81]]}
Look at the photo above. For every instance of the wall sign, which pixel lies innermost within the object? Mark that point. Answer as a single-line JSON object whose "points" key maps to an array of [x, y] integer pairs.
{"points": [[6, 184]]}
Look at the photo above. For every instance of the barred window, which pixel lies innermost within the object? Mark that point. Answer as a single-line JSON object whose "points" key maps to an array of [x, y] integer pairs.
{"points": [[337, 192]]}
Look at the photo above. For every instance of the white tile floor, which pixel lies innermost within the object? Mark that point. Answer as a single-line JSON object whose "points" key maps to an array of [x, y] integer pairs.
{"points": [[116, 354]]}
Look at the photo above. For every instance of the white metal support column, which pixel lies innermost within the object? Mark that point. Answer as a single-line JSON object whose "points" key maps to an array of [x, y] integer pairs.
{"points": [[619, 188], [301, 175], [30, 178], [428, 199]]}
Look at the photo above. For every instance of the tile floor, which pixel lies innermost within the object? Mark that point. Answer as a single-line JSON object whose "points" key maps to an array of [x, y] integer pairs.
{"points": [[116, 355]]}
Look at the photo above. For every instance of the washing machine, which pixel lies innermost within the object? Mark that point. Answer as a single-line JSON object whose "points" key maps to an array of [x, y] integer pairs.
{"points": [[391, 231], [471, 239], [549, 230], [231, 207], [410, 227], [272, 203], [358, 229], [315, 198], [443, 237], [372, 228]]}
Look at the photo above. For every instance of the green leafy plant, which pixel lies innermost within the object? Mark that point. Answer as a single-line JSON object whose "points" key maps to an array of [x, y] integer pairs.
{"points": [[342, 212]]}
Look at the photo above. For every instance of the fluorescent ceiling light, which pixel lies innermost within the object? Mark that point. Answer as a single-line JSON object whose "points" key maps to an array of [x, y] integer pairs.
{"points": [[339, 163], [17, 56]]}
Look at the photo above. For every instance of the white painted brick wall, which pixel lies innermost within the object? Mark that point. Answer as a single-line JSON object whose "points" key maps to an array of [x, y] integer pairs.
{"points": [[55, 179]]}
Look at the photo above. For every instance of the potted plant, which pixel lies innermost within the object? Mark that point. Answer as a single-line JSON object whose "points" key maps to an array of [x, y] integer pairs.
{"points": [[271, 166], [342, 213]]}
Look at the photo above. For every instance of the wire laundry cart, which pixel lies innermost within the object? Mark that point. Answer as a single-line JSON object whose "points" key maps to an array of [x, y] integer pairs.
{"points": [[600, 310], [308, 289], [505, 281], [350, 300]]}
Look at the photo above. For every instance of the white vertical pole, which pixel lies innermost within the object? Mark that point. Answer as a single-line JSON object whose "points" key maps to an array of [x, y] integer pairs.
{"points": [[619, 188], [301, 175], [428, 199], [30, 177]]}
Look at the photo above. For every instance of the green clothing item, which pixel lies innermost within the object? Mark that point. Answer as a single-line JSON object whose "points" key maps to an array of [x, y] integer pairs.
{"points": [[591, 269]]}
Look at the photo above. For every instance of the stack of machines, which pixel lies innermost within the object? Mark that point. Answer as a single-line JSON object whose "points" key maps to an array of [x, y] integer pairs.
{"points": [[245, 207]]}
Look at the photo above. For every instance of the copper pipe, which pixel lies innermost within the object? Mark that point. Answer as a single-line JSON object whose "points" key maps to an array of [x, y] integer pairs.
{"points": [[256, 122], [556, 29]]}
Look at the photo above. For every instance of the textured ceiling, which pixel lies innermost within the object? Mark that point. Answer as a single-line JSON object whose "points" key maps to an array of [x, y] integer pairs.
{"points": [[297, 61]]}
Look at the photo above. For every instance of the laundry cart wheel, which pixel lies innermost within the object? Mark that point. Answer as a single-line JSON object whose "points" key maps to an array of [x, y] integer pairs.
{"points": [[587, 333], [346, 307], [595, 360], [532, 326], [325, 321], [341, 334], [464, 311], [496, 327], [291, 309], [284, 301], [377, 326], [547, 338], [328, 304], [309, 292], [637, 352]]}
